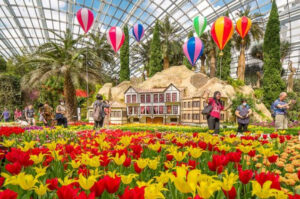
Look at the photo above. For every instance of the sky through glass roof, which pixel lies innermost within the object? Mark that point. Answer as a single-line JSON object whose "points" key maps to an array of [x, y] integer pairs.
{"points": [[25, 24]]}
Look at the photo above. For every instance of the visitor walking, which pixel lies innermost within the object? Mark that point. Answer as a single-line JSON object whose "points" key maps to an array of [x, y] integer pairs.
{"points": [[60, 114], [214, 115], [5, 115], [280, 110], [99, 113], [17, 114], [29, 114], [48, 114], [243, 113]]}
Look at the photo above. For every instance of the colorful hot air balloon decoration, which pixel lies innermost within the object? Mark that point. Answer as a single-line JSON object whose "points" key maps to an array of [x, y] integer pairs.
{"points": [[222, 31], [138, 32], [193, 49], [115, 37], [85, 18], [200, 25], [243, 26]]}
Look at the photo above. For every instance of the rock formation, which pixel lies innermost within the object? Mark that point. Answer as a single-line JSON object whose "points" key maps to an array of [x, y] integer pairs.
{"points": [[194, 84]]}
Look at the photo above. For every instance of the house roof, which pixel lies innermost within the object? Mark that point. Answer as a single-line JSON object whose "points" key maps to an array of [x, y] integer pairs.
{"points": [[117, 105], [153, 90]]}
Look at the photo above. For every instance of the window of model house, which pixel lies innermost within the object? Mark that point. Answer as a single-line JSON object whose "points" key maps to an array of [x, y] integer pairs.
{"points": [[168, 97], [161, 109], [175, 110], [173, 120], [161, 97], [129, 110], [169, 109], [128, 98], [115, 114], [174, 97], [148, 110], [188, 116], [155, 110], [142, 98], [142, 110], [155, 98], [189, 104], [133, 98], [148, 98], [136, 110]]}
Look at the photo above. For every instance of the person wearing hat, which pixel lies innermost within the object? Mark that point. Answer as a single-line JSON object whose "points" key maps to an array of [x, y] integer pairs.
{"points": [[243, 113], [60, 114]]}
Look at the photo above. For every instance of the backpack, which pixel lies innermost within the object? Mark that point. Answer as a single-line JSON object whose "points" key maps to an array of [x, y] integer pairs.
{"points": [[273, 109], [97, 115]]}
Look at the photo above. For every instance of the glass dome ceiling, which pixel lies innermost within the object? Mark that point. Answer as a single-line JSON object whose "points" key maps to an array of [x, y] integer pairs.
{"points": [[25, 24]]}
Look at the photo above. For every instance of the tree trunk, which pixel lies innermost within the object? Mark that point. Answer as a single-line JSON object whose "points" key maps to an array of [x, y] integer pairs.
{"points": [[202, 69], [166, 62], [241, 64], [212, 63], [70, 100]]}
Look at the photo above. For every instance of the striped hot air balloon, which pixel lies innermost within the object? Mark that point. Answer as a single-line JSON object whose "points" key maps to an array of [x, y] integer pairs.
{"points": [[200, 25], [85, 18], [115, 37], [193, 49], [138, 32], [222, 31], [243, 26]]}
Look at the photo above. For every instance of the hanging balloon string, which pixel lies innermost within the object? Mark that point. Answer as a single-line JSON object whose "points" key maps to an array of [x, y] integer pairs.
{"points": [[221, 57]]}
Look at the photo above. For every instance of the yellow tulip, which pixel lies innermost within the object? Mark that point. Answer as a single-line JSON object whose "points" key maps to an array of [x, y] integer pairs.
{"points": [[152, 164], [229, 181], [244, 149], [41, 190], [153, 191], [119, 160], [28, 145], [8, 143], [195, 152], [262, 192], [144, 184], [51, 146], [179, 155], [207, 186], [66, 181], [142, 162], [168, 164], [37, 158], [86, 183], [125, 140], [26, 181], [55, 155], [128, 179], [93, 162], [186, 184], [40, 171], [75, 164], [164, 177], [154, 147]]}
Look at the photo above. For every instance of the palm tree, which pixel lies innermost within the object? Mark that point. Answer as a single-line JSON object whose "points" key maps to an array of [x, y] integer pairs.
{"points": [[210, 51], [64, 59], [255, 33], [170, 41], [141, 56]]}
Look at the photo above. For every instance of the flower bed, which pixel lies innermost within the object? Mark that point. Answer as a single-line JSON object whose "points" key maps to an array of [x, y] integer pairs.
{"points": [[71, 164]]}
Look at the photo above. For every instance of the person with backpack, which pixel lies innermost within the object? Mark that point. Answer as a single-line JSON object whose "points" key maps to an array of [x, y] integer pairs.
{"points": [[214, 109], [243, 113], [29, 114], [60, 113], [99, 113], [280, 107]]}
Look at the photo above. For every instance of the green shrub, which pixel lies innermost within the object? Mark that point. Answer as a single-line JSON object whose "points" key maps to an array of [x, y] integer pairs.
{"points": [[235, 83]]}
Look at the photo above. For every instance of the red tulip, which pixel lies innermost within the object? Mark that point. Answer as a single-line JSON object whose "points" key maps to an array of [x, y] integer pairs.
{"points": [[112, 184], [98, 187], [218, 163], [83, 195], [127, 162], [230, 194], [196, 197], [192, 164], [234, 156], [273, 158], [52, 184], [1, 181], [296, 196], [8, 194], [14, 168], [263, 177], [169, 157], [67, 192], [252, 153], [298, 174], [137, 168], [245, 176], [104, 160], [135, 193]]}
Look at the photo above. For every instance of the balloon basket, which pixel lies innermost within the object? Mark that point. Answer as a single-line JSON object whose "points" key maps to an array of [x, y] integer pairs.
{"points": [[221, 54]]}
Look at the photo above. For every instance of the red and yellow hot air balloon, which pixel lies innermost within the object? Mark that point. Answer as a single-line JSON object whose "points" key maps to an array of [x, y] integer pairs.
{"points": [[222, 31], [243, 26]]}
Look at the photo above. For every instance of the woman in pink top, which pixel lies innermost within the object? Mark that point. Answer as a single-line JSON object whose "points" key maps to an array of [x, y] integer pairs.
{"points": [[17, 114], [213, 119]]}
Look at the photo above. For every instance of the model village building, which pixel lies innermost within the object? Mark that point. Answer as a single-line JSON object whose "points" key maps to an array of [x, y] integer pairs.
{"points": [[167, 105]]}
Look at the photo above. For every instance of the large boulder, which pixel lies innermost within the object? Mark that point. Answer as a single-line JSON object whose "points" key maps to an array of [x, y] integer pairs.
{"points": [[194, 84]]}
